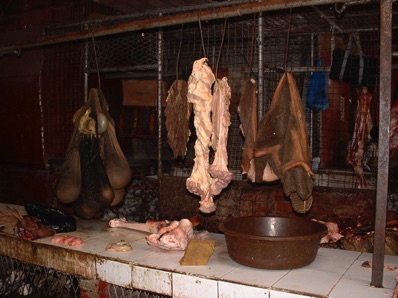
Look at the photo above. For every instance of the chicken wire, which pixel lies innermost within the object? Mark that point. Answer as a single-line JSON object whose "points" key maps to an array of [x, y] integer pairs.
{"points": [[291, 41], [20, 279]]}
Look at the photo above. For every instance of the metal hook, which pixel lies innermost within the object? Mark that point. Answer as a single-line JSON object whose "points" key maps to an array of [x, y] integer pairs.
{"points": [[341, 9]]}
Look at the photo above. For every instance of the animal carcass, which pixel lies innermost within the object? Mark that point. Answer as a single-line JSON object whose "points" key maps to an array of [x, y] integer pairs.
{"points": [[356, 148], [282, 148], [199, 94], [207, 181], [95, 172], [178, 112], [247, 110], [221, 120]]}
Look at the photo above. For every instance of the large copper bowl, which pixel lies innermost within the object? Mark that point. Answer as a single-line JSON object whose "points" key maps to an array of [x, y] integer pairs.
{"points": [[273, 242]]}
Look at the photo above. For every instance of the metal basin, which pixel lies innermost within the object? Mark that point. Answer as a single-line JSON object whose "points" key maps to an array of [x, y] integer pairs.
{"points": [[273, 242]]}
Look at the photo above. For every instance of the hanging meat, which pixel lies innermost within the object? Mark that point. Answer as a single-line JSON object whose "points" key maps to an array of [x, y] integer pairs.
{"points": [[221, 120], [199, 94], [95, 168], [178, 112], [282, 148], [357, 143], [247, 110]]}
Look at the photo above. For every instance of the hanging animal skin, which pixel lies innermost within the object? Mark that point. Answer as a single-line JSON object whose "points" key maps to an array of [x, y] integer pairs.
{"points": [[95, 172]]}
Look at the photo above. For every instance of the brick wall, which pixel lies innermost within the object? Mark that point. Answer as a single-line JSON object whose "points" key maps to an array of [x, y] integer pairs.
{"points": [[246, 199]]}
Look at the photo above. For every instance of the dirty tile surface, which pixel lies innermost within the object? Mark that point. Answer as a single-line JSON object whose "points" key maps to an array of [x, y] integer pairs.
{"points": [[334, 273]]}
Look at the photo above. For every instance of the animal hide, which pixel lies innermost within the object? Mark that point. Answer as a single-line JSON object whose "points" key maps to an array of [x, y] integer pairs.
{"points": [[177, 112], [248, 117], [282, 145], [95, 168]]}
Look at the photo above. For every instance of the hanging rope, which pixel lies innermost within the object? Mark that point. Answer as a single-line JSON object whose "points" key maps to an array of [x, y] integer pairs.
{"points": [[252, 45], [288, 40], [96, 63], [201, 37], [222, 42], [179, 51]]}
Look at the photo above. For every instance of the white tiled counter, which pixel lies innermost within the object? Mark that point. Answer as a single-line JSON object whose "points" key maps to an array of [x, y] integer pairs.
{"points": [[334, 273]]}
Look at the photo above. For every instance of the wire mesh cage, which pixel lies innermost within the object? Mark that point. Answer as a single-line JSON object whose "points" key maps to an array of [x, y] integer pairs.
{"points": [[292, 40], [19, 279]]}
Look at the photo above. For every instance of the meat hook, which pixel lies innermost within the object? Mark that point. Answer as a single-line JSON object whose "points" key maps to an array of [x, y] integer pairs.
{"points": [[341, 9]]}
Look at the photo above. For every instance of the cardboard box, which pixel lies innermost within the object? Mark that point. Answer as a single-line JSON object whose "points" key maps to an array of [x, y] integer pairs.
{"points": [[142, 93]]}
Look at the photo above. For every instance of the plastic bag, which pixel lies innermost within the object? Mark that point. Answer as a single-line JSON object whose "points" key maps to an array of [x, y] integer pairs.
{"points": [[317, 97], [51, 217]]}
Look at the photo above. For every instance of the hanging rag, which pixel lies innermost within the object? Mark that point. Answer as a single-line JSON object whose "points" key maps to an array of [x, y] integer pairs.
{"points": [[282, 145], [358, 70], [317, 97]]}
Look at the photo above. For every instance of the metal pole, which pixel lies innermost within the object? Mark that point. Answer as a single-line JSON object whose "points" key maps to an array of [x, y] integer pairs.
{"points": [[159, 105], [260, 86], [383, 150]]}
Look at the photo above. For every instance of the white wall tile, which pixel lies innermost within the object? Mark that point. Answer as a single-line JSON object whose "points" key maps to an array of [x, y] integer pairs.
{"points": [[114, 272], [152, 280], [186, 286], [276, 294], [228, 290]]}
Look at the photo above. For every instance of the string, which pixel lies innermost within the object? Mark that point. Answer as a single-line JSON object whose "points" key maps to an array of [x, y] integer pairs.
{"points": [[96, 63], [222, 42], [252, 45], [179, 51], [288, 39], [201, 37]]}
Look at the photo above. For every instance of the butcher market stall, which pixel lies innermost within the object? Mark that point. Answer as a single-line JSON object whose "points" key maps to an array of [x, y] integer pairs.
{"points": [[262, 60], [82, 271]]}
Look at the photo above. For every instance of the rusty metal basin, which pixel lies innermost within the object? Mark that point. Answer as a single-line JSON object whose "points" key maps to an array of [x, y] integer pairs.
{"points": [[272, 242]]}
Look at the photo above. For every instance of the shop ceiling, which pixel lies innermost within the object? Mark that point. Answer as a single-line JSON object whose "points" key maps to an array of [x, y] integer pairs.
{"points": [[314, 16]]}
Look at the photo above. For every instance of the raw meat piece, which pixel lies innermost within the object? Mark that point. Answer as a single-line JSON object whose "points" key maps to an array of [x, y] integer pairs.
{"points": [[395, 294], [247, 110], [178, 112], [356, 149], [29, 227], [199, 94], [67, 240], [121, 246], [173, 235], [221, 119], [282, 147], [150, 226], [333, 232]]}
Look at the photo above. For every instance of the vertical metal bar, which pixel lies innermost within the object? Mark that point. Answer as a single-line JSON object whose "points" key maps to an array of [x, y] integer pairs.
{"points": [[260, 85], [85, 76], [383, 150], [311, 112], [160, 96]]}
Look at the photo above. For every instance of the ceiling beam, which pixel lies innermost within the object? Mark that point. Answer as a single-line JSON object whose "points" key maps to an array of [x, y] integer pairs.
{"points": [[169, 20]]}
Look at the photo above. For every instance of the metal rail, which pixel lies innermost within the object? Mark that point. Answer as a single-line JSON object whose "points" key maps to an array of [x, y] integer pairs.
{"points": [[169, 20]]}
